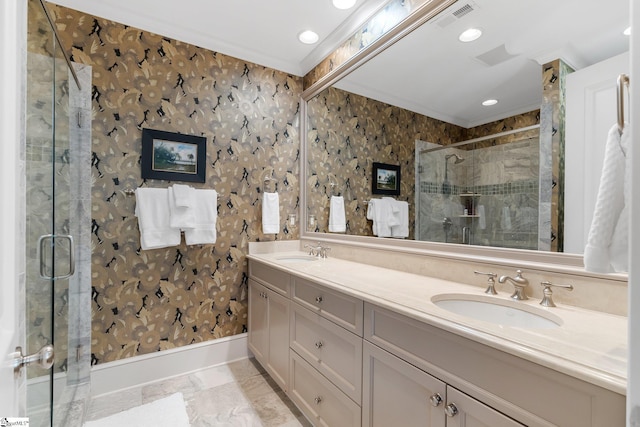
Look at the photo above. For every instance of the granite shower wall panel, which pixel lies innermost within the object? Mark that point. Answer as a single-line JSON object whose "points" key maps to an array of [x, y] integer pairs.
{"points": [[146, 301], [346, 134]]}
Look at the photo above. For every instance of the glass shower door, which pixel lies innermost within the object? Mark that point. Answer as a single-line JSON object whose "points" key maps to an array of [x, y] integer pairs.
{"points": [[55, 194]]}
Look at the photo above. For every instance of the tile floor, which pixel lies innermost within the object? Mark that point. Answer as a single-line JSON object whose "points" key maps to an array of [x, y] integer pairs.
{"points": [[236, 394]]}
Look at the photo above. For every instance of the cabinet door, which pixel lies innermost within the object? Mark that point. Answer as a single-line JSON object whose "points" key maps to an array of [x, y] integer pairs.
{"points": [[278, 333], [258, 321], [396, 393], [469, 412]]}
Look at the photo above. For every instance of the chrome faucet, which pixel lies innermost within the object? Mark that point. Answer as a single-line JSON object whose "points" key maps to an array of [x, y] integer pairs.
{"points": [[317, 250], [519, 283]]}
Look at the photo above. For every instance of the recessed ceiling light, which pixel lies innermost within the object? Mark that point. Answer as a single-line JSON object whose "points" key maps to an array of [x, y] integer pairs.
{"points": [[489, 102], [470, 35], [344, 4], [627, 32], [308, 37]]}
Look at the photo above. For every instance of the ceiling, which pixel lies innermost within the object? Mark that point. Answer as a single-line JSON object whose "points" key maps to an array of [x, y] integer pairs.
{"points": [[262, 32], [429, 71]]}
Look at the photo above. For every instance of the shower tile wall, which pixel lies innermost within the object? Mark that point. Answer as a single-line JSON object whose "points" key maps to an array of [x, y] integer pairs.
{"points": [[144, 301], [503, 180]]}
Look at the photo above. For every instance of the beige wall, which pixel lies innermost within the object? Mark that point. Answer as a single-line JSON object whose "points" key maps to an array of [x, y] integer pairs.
{"points": [[146, 301]]}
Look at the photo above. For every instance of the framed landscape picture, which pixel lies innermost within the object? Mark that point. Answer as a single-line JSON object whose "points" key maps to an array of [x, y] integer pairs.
{"points": [[173, 156], [386, 179]]}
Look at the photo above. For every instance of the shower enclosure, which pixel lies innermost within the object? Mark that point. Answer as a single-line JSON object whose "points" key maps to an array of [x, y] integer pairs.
{"points": [[57, 206], [480, 192]]}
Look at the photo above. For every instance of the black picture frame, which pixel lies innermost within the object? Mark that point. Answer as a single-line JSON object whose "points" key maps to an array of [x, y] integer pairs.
{"points": [[173, 156], [385, 179]]}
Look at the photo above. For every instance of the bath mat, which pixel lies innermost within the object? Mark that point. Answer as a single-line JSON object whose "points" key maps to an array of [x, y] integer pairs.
{"points": [[169, 411]]}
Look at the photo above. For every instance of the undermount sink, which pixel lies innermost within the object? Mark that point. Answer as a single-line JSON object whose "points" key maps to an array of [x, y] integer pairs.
{"points": [[297, 258], [501, 312]]}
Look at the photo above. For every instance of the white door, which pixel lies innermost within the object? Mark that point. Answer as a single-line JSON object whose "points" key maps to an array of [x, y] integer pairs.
{"points": [[590, 112], [12, 34]]}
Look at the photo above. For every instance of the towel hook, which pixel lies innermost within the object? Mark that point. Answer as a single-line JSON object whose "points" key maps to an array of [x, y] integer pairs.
{"points": [[623, 80], [266, 184]]}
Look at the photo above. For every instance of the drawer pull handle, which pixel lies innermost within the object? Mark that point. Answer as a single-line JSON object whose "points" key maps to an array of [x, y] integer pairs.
{"points": [[319, 299], [451, 410], [318, 400], [319, 344], [435, 399]]}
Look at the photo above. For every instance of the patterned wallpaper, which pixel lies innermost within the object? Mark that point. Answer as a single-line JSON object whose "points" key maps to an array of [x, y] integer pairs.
{"points": [[146, 301]]}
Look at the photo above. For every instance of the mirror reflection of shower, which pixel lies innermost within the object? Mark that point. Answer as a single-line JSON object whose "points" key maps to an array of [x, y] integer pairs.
{"points": [[483, 191], [446, 186]]}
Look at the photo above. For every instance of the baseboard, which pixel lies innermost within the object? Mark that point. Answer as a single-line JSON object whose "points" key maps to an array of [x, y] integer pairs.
{"points": [[139, 370]]}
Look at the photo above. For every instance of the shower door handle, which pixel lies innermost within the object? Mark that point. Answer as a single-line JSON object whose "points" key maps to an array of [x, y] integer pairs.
{"points": [[51, 238], [43, 358]]}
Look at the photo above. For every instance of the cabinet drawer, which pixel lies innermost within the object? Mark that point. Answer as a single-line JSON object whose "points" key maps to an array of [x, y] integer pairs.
{"points": [[342, 309], [277, 280], [525, 391], [321, 401], [333, 351]]}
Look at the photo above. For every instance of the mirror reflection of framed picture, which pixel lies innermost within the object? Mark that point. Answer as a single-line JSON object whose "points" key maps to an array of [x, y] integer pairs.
{"points": [[386, 179], [173, 156]]}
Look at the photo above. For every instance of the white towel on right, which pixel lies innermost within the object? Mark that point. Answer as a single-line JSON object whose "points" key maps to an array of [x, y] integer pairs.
{"points": [[401, 213], [152, 210], [608, 242], [270, 213], [205, 212], [337, 217], [381, 212]]}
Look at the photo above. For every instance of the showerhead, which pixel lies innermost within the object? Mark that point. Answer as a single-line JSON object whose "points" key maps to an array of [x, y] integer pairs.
{"points": [[459, 159]]}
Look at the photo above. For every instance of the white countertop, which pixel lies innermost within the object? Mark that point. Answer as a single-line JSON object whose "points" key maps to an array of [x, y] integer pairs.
{"points": [[589, 345]]}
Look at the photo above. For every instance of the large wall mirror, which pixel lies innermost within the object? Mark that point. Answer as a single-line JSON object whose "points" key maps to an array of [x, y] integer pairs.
{"points": [[474, 178]]}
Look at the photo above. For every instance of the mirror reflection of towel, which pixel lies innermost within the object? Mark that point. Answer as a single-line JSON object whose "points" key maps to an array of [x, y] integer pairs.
{"points": [[482, 220], [505, 219], [337, 218]]}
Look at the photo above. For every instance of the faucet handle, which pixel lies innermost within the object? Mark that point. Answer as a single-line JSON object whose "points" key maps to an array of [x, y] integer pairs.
{"points": [[491, 282], [547, 301]]}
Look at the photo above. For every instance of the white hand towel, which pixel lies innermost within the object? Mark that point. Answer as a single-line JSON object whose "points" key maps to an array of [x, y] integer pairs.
{"points": [[381, 213], [180, 217], [482, 221], [505, 219], [152, 210], [270, 213], [183, 195], [205, 210], [401, 212], [337, 217], [607, 244]]}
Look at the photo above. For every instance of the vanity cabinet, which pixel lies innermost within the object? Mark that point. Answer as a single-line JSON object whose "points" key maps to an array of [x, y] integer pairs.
{"points": [[346, 362], [528, 392], [268, 323]]}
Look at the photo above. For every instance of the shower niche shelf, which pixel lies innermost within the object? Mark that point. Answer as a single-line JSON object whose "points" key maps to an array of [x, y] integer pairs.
{"points": [[469, 200]]}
